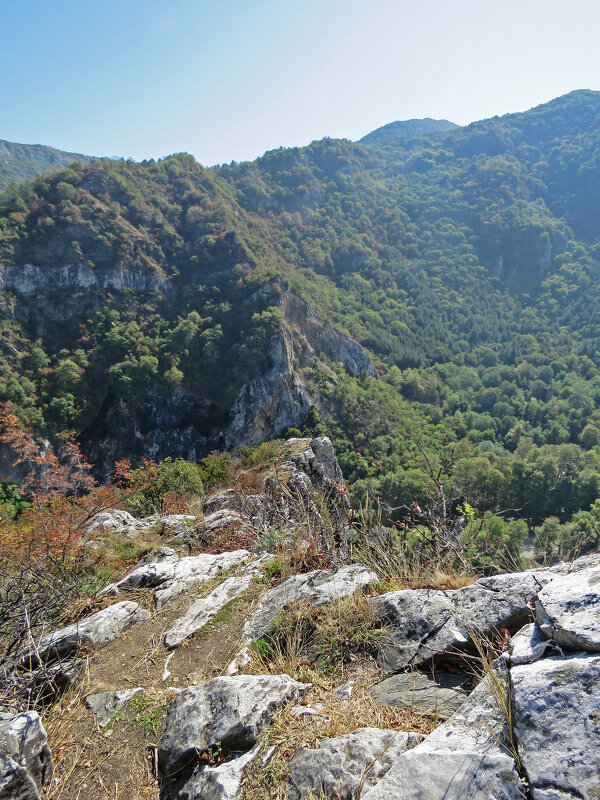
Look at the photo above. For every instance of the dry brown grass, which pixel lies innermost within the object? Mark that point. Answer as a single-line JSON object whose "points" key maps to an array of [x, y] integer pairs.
{"points": [[337, 717]]}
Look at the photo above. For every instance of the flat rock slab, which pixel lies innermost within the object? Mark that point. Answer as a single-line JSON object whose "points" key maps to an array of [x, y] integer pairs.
{"points": [[105, 705], [465, 757], [441, 694], [557, 725], [25, 759], [205, 609], [95, 631], [221, 782], [426, 623], [229, 712], [317, 587], [568, 610], [172, 576], [341, 767]]}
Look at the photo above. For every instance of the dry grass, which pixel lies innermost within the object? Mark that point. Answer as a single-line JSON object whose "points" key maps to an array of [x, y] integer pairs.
{"points": [[398, 568], [288, 734]]}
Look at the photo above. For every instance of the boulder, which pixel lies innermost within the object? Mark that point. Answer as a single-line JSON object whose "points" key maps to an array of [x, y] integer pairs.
{"points": [[426, 623], [25, 759], [105, 705], [203, 610], [557, 725], [317, 587], [441, 693], [568, 610], [339, 768], [114, 519], [466, 757], [95, 631], [172, 576], [222, 718]]}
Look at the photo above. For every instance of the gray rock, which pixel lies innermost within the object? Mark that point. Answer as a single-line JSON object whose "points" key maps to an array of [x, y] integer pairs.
{"points": [[529, 645], [557, 725], [465, 757], [229, 712], [25, 759], [568, 610], [317, 587], [105, 705], [113, 519], [441, 693], [203, 610], [218, 501], [341, 767], [172, 576], [426, 623], [223, 518], [221, 782], [95, 631], [344, 690]]}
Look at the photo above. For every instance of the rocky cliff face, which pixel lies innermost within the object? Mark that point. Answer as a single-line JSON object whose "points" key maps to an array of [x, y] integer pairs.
{"points": [[182, 424]]}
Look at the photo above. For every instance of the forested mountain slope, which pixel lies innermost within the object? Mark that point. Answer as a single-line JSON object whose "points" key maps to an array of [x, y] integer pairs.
{"points": [[466, 263], [19, 162]]}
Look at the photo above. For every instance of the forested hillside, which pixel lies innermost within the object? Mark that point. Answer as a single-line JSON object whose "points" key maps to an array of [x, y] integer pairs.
{"points": [[19, 162], [466, 262]]}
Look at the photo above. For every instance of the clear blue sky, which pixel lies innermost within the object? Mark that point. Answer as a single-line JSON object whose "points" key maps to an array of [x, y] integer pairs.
{"points": [[229, 79]]}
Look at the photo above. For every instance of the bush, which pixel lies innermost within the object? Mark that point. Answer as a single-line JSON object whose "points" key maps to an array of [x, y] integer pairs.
{"points": [[164, 487]]}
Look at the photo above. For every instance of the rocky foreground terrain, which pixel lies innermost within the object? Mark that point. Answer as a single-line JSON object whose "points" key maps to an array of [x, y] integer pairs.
{"points": [[195, 678]]}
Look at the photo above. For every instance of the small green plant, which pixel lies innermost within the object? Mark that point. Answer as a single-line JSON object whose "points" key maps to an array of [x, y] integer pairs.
{"points": [[147, 714]]}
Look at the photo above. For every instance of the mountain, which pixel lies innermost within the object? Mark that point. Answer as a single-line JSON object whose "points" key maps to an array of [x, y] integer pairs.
{"points": [[407, 128], [431, 303], [19, 162]]}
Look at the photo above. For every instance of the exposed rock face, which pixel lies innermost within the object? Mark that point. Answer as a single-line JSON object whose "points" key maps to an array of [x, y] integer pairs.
{"points": [[317, 587], [203, 610], [529, 645], [25, 760], [341, 767], [95, 631], [277, 397], [568, 610], [225, 713], [441, 694], [557, 713], [27, 279], [106, 704], [465, 757], [426, 623], [173, 575]]}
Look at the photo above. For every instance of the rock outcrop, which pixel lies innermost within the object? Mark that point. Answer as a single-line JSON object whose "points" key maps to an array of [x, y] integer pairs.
{"points": [[222, 720], [25, 759], [344, 767], [317, 587]]}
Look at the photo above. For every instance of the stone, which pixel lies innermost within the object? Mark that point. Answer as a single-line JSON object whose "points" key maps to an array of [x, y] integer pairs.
{"points": [[171, 576], [529, 645], [228, 712], [440, 693], [223, 518], [468, 756], [424, 623], [241, 660], [220, 782], [25, 758], [568, 610], [114, 519], [339, 768], [95, 631], [218, 501], [205, 609], [344, 690], [317, 587], [557, 725], [105, 705]]}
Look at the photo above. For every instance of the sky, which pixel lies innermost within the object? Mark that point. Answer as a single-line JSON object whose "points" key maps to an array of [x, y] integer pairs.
{"points": [[229, 79]]}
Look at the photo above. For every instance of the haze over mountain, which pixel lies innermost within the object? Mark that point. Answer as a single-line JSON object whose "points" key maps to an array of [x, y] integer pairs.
{"points": [[19, 162], [160, 307]]}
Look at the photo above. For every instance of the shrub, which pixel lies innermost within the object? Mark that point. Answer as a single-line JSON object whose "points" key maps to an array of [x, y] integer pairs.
{"points": [[160, 488]]}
